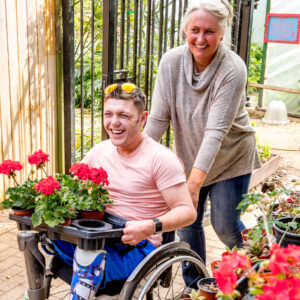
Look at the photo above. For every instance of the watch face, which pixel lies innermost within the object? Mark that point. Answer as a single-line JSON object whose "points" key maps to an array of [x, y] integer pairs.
{"points": [[157, 225]]}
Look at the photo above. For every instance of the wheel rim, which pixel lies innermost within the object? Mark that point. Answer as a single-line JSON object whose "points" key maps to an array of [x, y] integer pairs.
{"points": [[151, 287]]}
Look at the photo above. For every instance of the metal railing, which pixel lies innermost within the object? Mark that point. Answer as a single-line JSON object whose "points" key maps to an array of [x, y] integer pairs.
{"points": [[106, 41]]}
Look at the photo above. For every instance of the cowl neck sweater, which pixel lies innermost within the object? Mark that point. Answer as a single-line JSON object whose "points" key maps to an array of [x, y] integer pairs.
{"points": [[209, 72]]}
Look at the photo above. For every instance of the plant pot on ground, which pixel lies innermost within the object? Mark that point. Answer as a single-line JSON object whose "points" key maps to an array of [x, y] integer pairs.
{"points": [[256, 247], [287, 231], [208, 288]]}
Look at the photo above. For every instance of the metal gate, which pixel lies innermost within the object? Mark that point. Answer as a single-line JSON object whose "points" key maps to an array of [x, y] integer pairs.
{"points": [[106, 41]]}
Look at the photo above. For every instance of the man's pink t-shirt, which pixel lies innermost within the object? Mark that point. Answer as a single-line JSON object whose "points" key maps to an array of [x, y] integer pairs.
{"points": [[136, 180]]}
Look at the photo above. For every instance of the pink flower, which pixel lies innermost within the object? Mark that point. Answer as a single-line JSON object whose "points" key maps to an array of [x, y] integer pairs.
{"points": [[38, 158], [226, 274], [282, 259], [279, 289], [8, 167], [239, 260], [98, 176], [226, 277], [81, 170], [47, 185]]}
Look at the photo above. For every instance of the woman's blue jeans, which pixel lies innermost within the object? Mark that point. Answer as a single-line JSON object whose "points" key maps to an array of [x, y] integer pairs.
{"points": [[225, 218]]}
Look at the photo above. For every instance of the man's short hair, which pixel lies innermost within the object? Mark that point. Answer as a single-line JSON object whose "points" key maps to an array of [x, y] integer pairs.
{"points": [[126, 91]]}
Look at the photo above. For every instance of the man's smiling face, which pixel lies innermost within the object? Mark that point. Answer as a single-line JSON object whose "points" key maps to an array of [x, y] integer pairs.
{"points": [[123, 123]]}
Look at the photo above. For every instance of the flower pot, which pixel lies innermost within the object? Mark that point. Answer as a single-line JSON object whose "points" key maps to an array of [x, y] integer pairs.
{"points": [[22, 211], [265, 255], [244, 233], [289, 237], [205, 291], [91, 214], [67, 222]]}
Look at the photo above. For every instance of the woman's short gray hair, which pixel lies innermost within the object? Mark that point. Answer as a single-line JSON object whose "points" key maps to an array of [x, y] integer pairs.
{"points": [[219, 8]]}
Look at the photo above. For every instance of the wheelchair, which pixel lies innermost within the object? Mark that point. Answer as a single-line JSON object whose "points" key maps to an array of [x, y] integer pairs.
{"points": [[157, 276]]}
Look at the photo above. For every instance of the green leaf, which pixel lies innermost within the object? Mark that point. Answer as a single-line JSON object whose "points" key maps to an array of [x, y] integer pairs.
{"points": [[36, 218]]}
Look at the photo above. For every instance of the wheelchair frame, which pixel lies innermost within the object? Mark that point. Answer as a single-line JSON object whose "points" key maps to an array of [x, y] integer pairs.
{"points": [[151, 273]]}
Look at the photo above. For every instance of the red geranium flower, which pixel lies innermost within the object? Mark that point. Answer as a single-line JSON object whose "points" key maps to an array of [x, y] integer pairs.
{"points": [[47, 185], [81, 170], [8, 167], [38, 158], [98, 176]]}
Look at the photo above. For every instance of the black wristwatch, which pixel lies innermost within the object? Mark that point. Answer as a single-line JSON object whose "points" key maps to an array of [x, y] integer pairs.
{"points": [[157, 225]]}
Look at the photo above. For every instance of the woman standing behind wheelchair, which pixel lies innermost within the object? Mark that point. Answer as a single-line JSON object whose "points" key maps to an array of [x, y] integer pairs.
{"points": [[201, 88]]}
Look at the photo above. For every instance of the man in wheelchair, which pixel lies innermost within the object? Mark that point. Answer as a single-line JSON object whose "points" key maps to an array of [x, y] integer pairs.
{"points": [[148, 187]]}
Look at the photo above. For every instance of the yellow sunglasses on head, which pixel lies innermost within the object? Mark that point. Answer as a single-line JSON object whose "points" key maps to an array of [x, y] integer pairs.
{"points": [[127, 87]]}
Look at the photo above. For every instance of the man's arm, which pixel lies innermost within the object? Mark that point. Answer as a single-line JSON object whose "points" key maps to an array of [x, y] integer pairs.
{"points": [[182, 213]]}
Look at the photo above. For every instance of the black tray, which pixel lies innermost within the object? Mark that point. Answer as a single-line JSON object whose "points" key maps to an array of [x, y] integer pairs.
{"points": [[89, 240]]}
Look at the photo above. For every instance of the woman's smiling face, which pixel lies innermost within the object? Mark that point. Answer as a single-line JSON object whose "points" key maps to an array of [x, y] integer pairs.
{"points": [[203, 35]]}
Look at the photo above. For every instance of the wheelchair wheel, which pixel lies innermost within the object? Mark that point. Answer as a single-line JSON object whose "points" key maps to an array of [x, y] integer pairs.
{"points": [[161, 277]]}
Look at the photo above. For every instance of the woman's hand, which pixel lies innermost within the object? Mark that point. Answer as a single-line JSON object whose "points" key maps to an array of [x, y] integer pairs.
{"points": [[194, 184]]}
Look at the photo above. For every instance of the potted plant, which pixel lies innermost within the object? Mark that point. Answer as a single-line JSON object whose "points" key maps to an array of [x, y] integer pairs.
{"points": [[287, 231], [55, 200], [22, 197], [53, 206], [257, 249], [194, 295], [282, 280], [90, 184], [208, 288], [60, 199], [266, 204]]}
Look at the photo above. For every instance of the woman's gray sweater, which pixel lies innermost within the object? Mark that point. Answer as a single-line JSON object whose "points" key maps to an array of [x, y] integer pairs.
{"points": [[211, 126]]}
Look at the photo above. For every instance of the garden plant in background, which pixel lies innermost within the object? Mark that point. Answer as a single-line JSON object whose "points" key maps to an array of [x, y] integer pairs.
{"points": [[272, 206], [55, 200], [277, 277], [264, 151]]}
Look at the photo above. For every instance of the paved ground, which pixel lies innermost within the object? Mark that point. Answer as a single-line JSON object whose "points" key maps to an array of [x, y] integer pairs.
{"points": [[12, 268]]}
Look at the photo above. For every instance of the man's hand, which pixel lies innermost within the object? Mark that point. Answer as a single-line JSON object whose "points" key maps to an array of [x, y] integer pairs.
{"points": [[194, 184], [136, 231]]}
